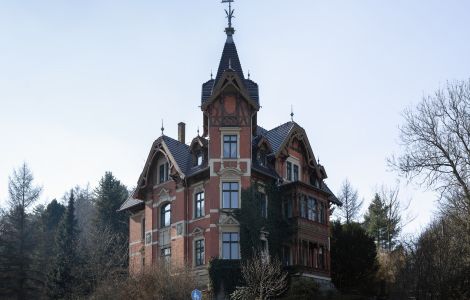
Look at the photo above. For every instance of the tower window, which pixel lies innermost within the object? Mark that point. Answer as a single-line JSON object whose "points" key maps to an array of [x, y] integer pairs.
{"points": [[230, 245], [230, 146], [199, 205], [165, 215], [230, 194]]}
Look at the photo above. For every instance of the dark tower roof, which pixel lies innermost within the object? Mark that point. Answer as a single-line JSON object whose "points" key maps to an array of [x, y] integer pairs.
{"points": [[230, 61]]}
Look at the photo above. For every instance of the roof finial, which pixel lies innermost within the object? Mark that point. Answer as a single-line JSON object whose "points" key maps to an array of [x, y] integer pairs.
{"points": [[319, 160], [291, 113], [211, 75], [248, 74], [229, 30], [163, 128], [198, 130], [229, 12]]}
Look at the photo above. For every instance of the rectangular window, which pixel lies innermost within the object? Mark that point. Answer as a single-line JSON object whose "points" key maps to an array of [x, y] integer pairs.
{"points": [[165, 254], [230, 146], [303, 207], [263, 205], [312, 209], [322, 213], [199, 205], [199, 252], [296, 172], [230, 245], [289, 171], [230, 195], [321, 258], [163, 173]]}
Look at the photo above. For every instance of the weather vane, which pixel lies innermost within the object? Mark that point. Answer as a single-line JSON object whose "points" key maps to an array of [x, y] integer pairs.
{"points": [[229, 12]]}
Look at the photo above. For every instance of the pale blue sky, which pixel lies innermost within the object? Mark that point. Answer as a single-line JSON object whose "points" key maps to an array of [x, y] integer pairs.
{"points": [[84, 84]]}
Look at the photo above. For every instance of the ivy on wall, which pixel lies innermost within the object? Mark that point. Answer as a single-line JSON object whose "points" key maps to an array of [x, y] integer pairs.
{"points": [[227, 273]]}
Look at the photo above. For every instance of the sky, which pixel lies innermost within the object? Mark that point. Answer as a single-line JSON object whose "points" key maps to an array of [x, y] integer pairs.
{"points": [[84, 85]]}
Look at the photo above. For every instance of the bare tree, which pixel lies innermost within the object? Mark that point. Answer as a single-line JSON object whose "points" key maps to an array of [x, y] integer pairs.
{"points": [[351, 205], [436, 141], [264, 279]]}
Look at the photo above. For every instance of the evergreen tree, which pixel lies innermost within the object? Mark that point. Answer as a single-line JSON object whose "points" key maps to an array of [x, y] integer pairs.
{"points": [[109, 196], [353, 258], [63, 275], [18, 279], [375, 221], [111, 229]]}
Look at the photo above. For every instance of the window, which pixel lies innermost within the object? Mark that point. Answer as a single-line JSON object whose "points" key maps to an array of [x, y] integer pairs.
{"points": [[322, 213], [142, 229], [296, 172], [230, 195], [230, 245], [165, 254], [163, 173], [199, 205], [321, 258], [197, 159], [165, 215], [292, 171], [303, 207], [312, 209], [262, 158], [230, 146], [289, 171], [199, 252]]}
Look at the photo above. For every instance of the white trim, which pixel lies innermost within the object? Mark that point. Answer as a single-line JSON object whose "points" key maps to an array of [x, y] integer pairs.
{"points": [[230, 180]]}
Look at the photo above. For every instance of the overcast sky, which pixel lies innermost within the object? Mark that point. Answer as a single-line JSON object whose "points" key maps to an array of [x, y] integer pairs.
{"points": [[84, 85]]}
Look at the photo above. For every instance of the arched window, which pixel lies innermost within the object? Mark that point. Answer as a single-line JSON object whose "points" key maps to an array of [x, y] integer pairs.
{"points": [[165, 215]]}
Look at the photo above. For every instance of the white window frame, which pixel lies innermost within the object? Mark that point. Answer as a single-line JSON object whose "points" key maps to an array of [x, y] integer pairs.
{"points": [[293, 161], [228, 180], [229, 131], [221, 240]]}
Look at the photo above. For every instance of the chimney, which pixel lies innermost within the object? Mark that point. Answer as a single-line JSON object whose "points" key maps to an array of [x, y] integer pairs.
{"points": [[181, 132]]}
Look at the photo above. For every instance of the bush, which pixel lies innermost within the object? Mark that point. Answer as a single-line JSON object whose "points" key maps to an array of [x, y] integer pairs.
{"points": [[156, 283]]}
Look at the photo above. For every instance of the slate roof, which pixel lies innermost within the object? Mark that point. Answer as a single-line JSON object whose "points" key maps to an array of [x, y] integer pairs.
{"points": [[230, 60], [130, 202], [277, 135]]}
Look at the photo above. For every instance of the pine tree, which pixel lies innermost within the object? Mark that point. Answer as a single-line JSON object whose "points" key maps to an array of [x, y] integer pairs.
{"points": [[63, 274], [109, 196], [109, 234], [375, 221]]}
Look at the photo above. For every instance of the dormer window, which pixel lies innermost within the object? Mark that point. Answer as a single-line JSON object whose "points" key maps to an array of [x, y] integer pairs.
{"points": [[262, 158], [197, 159]]}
